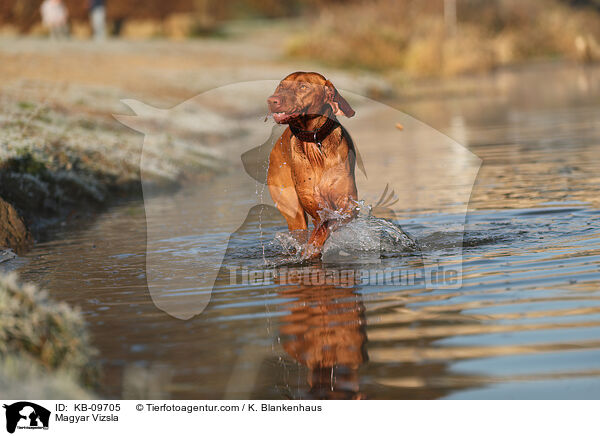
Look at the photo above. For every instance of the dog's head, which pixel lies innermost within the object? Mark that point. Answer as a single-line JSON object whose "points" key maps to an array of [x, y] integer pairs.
{"points": [[306, 94]]}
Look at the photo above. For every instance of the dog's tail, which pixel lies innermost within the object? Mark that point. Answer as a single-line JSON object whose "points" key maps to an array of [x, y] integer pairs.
{"points": [[383, 207], [387, 200]]}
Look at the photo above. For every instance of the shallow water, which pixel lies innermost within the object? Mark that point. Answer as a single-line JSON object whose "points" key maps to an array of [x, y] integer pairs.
{"points": [[524, 324]]}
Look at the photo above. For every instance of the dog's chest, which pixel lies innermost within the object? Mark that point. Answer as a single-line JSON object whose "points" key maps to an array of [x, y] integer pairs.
{"points": [[306, 163], [307, 175]]}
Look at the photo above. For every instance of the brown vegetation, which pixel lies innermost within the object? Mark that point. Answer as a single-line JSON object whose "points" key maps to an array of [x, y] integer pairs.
{"points": [[50, 335], [412, 35]]}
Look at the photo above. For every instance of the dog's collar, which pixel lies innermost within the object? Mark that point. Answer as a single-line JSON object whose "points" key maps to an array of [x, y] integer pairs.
{"points": [[316, 136]]}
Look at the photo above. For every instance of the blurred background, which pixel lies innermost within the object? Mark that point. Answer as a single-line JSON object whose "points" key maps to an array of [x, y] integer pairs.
{"points": [[428, 37]]}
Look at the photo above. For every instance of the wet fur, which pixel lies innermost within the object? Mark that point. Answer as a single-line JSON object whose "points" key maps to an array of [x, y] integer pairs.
{"points": [[305, 180]]}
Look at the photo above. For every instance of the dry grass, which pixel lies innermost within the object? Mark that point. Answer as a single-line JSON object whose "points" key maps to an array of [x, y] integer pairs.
{"points": [[54, 161], [39, 336], [411, 35]]}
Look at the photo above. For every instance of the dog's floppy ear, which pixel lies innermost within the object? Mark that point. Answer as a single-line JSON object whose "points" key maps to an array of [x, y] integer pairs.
{"points": [[338, 103]]}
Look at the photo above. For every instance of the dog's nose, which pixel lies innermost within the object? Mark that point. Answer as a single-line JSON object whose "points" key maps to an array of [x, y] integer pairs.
{"points": [[274, 102]]}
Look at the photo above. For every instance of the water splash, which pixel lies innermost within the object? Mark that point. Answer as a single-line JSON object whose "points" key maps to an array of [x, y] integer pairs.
{"points": [[365, 238]]}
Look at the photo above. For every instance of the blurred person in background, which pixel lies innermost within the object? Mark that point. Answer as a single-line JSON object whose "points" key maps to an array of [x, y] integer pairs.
{"points": [[98, 19], [54, 17]]}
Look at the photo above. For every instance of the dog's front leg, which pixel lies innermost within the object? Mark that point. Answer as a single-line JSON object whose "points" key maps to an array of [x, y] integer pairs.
{"points": [[317, 239]]}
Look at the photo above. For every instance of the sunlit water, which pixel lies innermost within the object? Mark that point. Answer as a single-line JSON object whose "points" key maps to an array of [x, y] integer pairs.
{"points": [[524, 324]]}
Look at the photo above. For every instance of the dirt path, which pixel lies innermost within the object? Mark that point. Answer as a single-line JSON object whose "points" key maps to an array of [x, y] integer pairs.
{"points": [[158, 72]]}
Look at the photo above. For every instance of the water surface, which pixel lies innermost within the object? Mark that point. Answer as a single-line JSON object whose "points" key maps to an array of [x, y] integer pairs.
{"points": [[524, 324]]}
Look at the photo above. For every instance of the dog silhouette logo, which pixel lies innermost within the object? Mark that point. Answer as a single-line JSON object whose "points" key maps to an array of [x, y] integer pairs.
{"points": [[26, 415], [415, 175]]}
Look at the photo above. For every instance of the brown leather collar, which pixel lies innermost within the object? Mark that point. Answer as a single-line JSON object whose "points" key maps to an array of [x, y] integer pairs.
{"points": [[316, 136]]}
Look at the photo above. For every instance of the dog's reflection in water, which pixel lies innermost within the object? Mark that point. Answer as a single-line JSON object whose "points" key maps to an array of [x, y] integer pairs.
{"points": [[321, 323], [325, 332]]}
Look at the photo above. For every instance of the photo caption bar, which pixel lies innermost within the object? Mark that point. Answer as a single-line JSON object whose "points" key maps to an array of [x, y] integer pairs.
{"points": [[158, 417]]}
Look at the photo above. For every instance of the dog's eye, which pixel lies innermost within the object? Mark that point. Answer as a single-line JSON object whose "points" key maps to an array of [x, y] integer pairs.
{"points": [[303, 87]]}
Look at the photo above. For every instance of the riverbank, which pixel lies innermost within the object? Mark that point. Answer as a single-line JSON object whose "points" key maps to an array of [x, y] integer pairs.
{"points": [[62, 153], [58, 163]]}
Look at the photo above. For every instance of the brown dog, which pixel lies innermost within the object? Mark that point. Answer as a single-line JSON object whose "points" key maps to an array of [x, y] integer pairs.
{"points": [[311, 167]]}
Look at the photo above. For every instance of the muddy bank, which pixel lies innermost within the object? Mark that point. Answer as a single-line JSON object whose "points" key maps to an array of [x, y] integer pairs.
{"points": [[57, 165], [13, 233]]}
